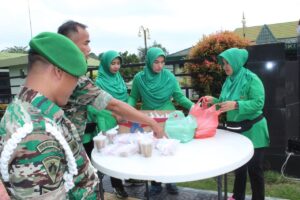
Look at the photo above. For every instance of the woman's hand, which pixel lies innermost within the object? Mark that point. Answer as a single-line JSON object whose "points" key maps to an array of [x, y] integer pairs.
{"points": [[209, 99], [227, 106]]}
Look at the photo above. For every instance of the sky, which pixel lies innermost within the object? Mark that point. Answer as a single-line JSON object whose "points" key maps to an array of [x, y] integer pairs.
{"points": [[114, 24]]}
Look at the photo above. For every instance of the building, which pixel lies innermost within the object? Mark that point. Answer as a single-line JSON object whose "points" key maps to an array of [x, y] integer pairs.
{"points": [[270, 33], [261, 34], [15, 71]]}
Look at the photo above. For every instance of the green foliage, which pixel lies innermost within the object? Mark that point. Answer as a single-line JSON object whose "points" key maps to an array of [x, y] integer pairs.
{"points": [[15, 49], [141, 50], [275, 185], [129, 72], [208, 76], [128, 58]]}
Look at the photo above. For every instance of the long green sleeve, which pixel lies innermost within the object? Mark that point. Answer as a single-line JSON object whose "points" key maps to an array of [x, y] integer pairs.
{"points": [[251, 104], [103, 118], [180, 98], [134, 94], [255, 98]]}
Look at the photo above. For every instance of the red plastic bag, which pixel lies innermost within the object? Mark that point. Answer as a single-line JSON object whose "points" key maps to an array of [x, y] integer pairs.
{"points": [[207, 118]]}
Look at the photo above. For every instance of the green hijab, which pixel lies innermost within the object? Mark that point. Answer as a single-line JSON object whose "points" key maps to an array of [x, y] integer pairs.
{"points": [[155, 88], [112, 83], [235, 83]]}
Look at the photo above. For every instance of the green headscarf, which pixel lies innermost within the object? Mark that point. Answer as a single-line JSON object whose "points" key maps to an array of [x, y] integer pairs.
{"points": [[112, 83], [235, 83], [155, 88]]}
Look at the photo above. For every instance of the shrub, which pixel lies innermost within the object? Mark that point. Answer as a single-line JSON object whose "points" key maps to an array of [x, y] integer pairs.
{"points": [[207, 75]]}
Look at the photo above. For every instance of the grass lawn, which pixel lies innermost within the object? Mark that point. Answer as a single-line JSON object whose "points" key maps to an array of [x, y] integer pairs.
{"points": [[275, 185]]}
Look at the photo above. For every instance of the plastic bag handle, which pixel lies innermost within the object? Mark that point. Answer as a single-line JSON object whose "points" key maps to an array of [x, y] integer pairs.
{"points": [[202, 102], [176, 115]]}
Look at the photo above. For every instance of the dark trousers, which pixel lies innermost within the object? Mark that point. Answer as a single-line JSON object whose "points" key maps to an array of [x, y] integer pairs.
{"points": [[256, 174], [88, 148], [116, 183]]}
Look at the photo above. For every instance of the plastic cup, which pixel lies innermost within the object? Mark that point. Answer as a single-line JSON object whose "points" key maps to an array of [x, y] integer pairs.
{"points": [[99, 142], [146, 148], [111, 136]]}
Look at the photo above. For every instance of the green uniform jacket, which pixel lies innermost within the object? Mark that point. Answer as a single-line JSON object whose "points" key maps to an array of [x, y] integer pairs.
{"points": [[251, 103], [178, 96]]}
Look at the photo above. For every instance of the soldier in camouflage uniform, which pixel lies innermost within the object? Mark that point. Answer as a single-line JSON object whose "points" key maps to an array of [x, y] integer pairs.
{"points": [[87, 93], [41, 153]]}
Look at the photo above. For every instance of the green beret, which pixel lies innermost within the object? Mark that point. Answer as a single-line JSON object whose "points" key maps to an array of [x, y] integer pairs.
{"points": [[60, 51]]}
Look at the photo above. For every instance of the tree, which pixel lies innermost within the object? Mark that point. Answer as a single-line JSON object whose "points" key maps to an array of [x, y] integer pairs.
{"points": [[15, 49], [129, 72], [141, 50], [207, 75], [129, 58]]}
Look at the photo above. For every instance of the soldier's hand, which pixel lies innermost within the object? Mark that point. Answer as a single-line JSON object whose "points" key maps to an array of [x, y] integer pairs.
{"points": [[158, 130], [3, 192]]}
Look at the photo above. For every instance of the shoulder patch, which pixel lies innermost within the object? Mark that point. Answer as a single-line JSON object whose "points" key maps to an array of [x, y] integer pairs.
{"points": [[47, 144], [52, 166]]}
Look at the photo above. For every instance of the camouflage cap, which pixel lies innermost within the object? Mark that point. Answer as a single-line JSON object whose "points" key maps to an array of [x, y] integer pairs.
{"points": [[60, 51]]}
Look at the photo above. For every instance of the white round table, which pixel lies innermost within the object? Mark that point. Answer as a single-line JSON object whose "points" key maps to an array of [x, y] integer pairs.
{"points": [[195, 160]]}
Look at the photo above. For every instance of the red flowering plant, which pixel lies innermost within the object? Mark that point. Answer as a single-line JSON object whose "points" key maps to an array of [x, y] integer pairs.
{"points": [[207, 74]]}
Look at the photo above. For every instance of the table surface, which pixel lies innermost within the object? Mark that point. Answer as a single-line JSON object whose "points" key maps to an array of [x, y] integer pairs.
{"points": [[195, 160]]}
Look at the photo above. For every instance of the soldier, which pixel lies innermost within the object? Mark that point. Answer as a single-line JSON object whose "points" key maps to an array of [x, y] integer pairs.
{"points": [[87, 93], [42, 156]]}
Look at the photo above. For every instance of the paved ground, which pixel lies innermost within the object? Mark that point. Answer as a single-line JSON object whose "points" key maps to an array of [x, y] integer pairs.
{"points": [[137, 193], [184, 193]]}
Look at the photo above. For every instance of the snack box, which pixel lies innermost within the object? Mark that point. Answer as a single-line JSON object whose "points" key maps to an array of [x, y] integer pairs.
{"points": [[159, 116]]}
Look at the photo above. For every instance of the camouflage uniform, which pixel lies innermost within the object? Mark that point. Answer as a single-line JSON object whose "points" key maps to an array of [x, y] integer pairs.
{"points": [[38, 163], [86, 93]]}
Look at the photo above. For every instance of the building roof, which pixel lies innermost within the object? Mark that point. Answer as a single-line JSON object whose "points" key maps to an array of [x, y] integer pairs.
{"points": [[179, 54], [15, 59], [12, 59], [282, 32], [279, 30]]}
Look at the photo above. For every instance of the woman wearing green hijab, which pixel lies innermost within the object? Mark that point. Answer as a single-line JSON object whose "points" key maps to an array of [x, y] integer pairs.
{"points": [[155, 87], [110, 80], [109, 77], [242, 98]]}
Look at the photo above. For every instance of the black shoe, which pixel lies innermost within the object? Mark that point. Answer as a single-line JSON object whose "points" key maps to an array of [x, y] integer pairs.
{"points": [[120, 193], [133, 183], [172, 188]]}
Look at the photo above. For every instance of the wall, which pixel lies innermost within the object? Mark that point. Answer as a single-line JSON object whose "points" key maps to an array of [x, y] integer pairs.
{"points": [[15, 83], [281, 81]]}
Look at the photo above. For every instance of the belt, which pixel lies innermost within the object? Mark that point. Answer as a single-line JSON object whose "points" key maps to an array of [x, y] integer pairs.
{"points": [[244, 125]]}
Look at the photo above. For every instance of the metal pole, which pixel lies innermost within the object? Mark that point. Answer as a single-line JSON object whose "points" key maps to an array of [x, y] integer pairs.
{"points": [[219, 180], [29, 19], [145, 40], [225, 186]]}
